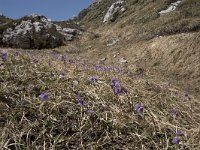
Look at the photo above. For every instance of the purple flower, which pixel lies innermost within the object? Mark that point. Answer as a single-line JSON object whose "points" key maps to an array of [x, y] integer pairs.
{"points": [[79, 99], [179, 132], [4, 56], [93, 79], [89, 111], [63, 58], [174, 112], [44, 96], [139, 108], [116, 90], [115, 82], [106, 68], [96, 67], [124, 90], [176, 140], [15, 55]]}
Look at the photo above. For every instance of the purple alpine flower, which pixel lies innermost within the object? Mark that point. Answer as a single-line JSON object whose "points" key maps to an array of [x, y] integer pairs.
{"points": [[44, 96], [4, 56], [139, 108], [174, 113], [93, 79], [176, 140], [96, 67], [63, 58], [116, 90], [79, 99], [124, 90], [179, 132], [115, 82], [16, 54], [89, 111]]}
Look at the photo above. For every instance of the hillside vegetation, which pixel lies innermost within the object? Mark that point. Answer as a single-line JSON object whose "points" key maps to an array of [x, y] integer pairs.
{"points": [[129, 84], [80, 112]]}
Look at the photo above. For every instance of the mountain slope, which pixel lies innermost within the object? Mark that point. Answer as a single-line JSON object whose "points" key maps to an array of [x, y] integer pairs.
{"points": [[144, 16], [57, 102], [131, 82], [175, 55]]}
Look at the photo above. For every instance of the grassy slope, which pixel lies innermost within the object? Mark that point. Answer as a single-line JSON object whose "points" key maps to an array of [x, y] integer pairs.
{"points": [[143, 25], [60, 123], [139, 30]]}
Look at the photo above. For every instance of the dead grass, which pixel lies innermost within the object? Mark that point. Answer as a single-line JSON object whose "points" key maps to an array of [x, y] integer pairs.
{"points": [[176, 36], [143, 25], [60, 123], [162, 73]]}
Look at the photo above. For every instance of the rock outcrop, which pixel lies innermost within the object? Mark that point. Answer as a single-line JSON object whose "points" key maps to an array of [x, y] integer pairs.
{"points": [[68, 33], [37, 32], [114, 11], [171, 8]]}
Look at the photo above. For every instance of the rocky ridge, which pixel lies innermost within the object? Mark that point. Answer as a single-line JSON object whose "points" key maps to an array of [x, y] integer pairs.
{"points": [[37, 32], [114, 10]]}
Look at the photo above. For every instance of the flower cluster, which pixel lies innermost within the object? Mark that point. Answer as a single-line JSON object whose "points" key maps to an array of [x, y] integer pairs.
{"points": [[116, 87], [176, 139], [82, 104]]}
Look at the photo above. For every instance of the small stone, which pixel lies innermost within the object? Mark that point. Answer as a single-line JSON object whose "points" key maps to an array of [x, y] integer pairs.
{"points": [[75, 83], [123, 9], [123, 60]]}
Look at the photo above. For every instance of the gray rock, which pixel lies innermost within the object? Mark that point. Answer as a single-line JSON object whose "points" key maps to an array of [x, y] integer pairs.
{"points": [[113, 42], [123, 60], [171, 8], [123, 9], [30, 34], [37, 32], [68, 33], [102, 61], [71, 31], [113, 11]]}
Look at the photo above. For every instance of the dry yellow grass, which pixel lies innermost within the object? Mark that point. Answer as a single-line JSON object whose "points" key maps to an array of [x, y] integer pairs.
{"points": [[106, 121], [162, 73]]}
